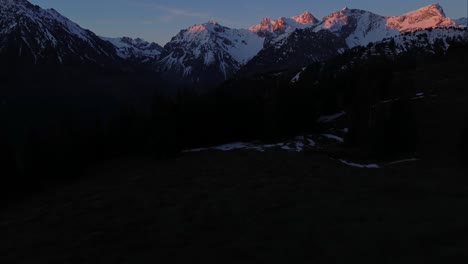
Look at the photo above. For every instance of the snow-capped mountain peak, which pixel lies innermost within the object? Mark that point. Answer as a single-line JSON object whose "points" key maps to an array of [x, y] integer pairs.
{"points": [[357, 27], [283, 24], [46, 36], [266, 21], [435, 9], [305, 18], [210, 25], [210, 49], [266, 25], [430, 16], [336, 20], [275, 31]]}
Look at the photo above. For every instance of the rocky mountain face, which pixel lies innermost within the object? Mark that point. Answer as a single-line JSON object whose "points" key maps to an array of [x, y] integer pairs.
{"points": [[33, 35]]}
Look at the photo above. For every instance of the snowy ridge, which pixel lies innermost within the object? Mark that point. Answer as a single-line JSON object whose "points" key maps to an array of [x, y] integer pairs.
{"points": [[210, 46], [303, 47], [427, 40], [241, 44], [128, 48], [369, 28], [358, 27]]}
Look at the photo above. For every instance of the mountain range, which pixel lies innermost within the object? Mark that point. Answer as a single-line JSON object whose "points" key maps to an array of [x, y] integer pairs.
{"points": [[209, 53]]}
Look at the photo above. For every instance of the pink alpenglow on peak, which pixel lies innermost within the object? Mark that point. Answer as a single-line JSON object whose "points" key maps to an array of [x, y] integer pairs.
{"points": [[305, 18], [266, 25], [284, 24], [430, 16], [208, 26], [336, 20], [196, 28]]}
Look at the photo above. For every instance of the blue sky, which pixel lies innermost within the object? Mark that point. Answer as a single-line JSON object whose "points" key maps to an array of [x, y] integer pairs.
{"points": [[159, 20]]}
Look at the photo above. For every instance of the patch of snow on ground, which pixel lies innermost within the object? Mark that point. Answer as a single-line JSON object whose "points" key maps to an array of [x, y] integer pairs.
{"points": [[296, 78], [337, 138], [299, 146], [418, 96], [362, 166], [296, 145], [402, 161], [233, 146], [285, 147], [311, 142], [330, 118], [195, 150], [273, 145]]}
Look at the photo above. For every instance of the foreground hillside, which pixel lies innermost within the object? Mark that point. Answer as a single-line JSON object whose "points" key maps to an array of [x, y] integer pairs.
{"points": [[245, 207], [251, 207]]}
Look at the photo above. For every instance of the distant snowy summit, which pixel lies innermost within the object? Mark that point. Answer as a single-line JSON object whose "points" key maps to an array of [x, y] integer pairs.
{"points": [[208, 53], [275, 28], [138, 49], [431, 16]]}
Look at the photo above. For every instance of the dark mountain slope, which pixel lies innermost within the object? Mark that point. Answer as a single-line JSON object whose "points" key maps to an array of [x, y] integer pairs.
{"points": [[287, 206]]}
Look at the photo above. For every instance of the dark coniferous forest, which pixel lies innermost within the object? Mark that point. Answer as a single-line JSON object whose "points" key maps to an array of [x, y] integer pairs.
{"points": [[50, 128]]}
